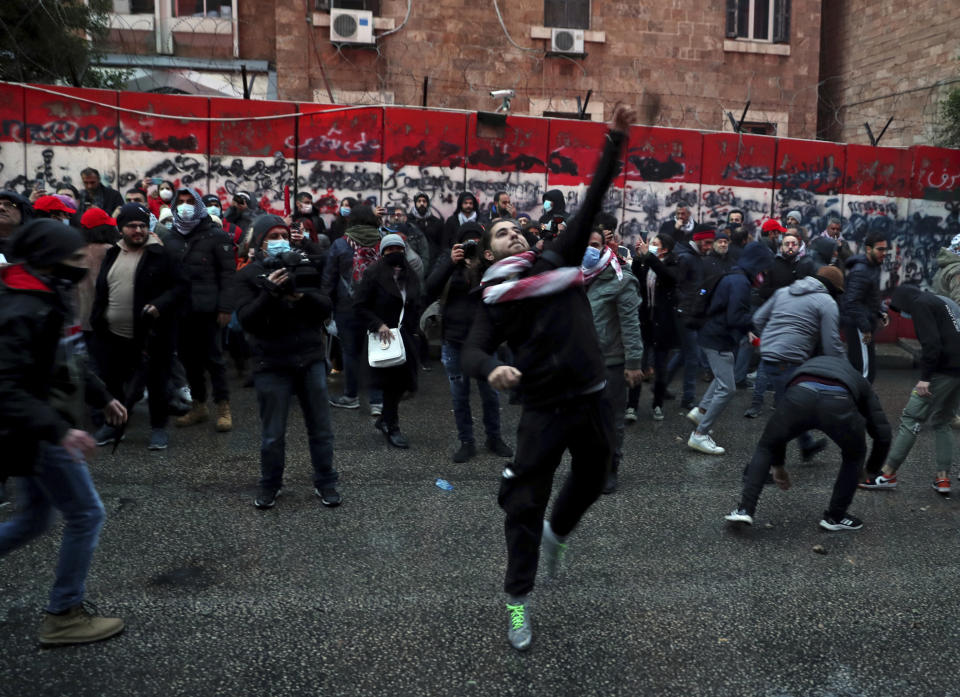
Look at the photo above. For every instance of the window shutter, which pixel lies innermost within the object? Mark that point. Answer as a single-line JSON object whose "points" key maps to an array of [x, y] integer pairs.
{"points": [[731, 19], [566, 14], [781, 21]]}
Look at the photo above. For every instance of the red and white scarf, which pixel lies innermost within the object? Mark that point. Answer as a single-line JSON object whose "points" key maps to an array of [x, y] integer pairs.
{"points": [[541, 284]]}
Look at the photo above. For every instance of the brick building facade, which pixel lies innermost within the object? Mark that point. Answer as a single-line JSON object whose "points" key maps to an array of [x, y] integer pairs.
{"points": [[683, 63], [883, 59]]}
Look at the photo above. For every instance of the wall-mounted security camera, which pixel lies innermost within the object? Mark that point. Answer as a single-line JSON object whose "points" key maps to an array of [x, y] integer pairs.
{"points": [[506, 94]]}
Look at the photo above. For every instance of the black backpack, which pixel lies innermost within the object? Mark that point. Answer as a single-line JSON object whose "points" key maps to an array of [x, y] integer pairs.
{"points": [[693, 308]]}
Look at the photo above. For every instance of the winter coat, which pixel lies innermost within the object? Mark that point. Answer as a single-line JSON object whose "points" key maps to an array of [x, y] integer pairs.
{"points": [[936, 320], [104, 197], [615, 303], [158, 281], [461, 305], [690, 268], [559, 201], [207, 257], [553, 339], [946, 282], [861, 295], [781, 274], [797, 321], [432, 228], [338, 276], [243, 218], [451, 226], [729, 313], [283, 334], [378, 301], [41, 392], [661, 316]]}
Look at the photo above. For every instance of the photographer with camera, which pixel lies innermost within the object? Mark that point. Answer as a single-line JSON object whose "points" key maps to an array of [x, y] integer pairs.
{"points": [[282, 310], [452, 281]]}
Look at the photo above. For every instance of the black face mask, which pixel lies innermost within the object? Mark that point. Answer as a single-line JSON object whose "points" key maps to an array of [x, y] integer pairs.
{"points": [[394, 258], [67, 273]]}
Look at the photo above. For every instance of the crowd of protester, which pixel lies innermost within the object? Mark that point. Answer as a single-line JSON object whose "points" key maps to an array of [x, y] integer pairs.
{"points": [[112, 297]]}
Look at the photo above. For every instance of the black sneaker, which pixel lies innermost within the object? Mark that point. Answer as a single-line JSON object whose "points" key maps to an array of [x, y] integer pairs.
{"points": [[610, 486], [466, 451], [496, 446], [329, 496], [105, 435], [753, 412], [266, 498], [812, 451], [847, 522]]}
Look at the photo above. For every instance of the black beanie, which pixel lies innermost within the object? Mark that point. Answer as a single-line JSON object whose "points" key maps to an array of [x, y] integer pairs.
{"points": [[131, 212], [44, 242]]}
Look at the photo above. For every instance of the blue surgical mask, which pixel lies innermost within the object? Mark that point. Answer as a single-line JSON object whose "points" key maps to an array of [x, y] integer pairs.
{"points": [[547, 206], [345, 211], [590, 257], [275, 247], [653, 249], [66, 221], [185, 211], [906, 315], [213, 210]]}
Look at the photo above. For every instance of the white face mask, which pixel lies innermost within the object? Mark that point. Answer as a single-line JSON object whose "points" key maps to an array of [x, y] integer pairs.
{"points": [[185, 211], [166, 194], [306, 208]]}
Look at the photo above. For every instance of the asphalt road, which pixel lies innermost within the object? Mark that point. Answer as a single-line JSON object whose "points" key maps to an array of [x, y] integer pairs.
{"points": [[398, 591]]}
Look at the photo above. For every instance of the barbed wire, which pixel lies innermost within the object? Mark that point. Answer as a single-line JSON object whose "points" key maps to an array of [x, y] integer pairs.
{"points": [[834, 108]]}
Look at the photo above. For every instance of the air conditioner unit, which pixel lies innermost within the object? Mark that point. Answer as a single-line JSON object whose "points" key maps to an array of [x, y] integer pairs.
{"points": [[351, 26], [566, 40]]}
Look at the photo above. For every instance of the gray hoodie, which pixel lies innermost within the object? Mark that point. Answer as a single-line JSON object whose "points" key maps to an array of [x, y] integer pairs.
{"points": [[796, 320]]}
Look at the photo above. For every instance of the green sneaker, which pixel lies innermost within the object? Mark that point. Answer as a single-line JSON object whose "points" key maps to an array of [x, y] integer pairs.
{"points": [[519, 633], [553, 549]]}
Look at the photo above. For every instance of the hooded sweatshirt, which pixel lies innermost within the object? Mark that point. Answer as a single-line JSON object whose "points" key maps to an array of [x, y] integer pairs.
{"points": [[729, 314], [947, 280], [796, 321], [26, 213], [452, 225], [936, 320], [861, 296], [555, 197]]}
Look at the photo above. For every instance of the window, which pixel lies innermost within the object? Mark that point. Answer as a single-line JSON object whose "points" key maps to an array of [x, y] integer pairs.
{"points": [[133, 7], [566, 14], [202, 8], [326, 5], [760, 128], [759, 20]]}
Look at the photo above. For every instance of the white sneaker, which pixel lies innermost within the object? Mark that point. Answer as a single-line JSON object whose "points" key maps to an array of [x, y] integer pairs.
{"points": [[956, 422], [631, 416], [657, 414], [739, 515], [695, 415], [704, 443]]}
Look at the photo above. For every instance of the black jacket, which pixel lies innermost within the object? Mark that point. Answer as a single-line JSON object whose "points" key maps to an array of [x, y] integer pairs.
{"points": [[559, 201], [861, 295], [283, 334], [783, 272], [452, 224], [662, 317], [839, 369], [820, 253], [39, 391], [158, 281], [461, 305], [690, 269], [936, 320], [730, 313], [553, 338], [207, 256], [105, 198], [432, 228], [378, 301]]}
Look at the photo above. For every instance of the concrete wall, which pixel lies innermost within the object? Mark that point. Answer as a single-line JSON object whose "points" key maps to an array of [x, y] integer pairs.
{"points": [[388, 154]]}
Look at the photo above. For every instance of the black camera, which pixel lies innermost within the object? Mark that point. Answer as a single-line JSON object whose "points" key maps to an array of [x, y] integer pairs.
{"points": [[471, 249], [301, 270]]}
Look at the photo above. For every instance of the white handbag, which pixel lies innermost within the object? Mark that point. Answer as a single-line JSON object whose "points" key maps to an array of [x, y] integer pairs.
{"points": [[383, 355]]}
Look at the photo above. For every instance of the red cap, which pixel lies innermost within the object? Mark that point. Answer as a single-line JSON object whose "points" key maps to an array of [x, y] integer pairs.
{"points": [[95, 217], [772, 225], [48, 204], [704, 235]]}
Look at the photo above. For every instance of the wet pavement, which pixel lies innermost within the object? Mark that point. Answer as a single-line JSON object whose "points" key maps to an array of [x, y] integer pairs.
{"points": [[397, 592]]}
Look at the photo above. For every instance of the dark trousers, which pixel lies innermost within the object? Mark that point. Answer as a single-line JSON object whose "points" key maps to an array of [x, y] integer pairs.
{"points": [[584, 426], [200, 352], [616, 390], [689, 358], [353, 342], [803, 409], [660, 358], [275, 390], [862, 356], [125, 370]]}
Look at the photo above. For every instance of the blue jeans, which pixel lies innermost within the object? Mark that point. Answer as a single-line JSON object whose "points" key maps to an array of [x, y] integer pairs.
{"points": [[689, 357], [460, 392], [353, 341], [274, 391], [63, 483]]}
